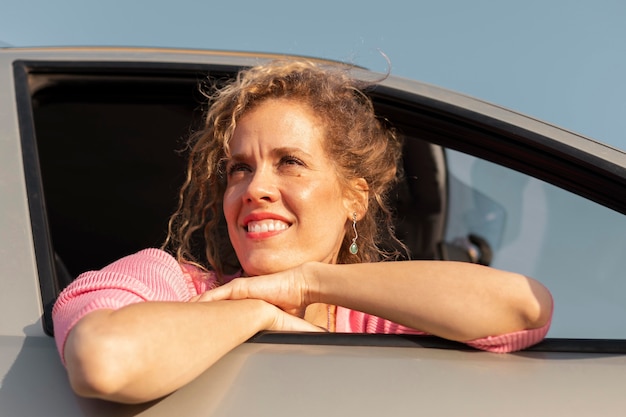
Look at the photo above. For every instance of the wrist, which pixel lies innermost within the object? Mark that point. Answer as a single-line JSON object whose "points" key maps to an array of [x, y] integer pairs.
{"points": [[312, 282], [261, 314]]}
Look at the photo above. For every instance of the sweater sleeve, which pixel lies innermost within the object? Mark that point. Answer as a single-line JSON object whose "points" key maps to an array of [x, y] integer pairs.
{"points": [[351, 321], [148, 275]]}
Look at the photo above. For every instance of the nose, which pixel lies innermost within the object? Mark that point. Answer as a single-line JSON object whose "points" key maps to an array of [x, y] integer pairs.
{"points": [[261, 187]]}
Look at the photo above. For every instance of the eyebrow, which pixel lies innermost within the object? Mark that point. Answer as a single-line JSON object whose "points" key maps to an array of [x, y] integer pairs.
{"points": [[276, 152], [289, 150]]}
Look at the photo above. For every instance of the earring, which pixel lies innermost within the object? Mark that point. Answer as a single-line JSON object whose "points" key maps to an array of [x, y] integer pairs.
{"points": [[353, 247]]}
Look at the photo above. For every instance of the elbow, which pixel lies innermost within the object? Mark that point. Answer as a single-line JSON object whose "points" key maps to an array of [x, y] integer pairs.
{"points": [[538, 306], [96, 364], [89, 384], [86, 384]]}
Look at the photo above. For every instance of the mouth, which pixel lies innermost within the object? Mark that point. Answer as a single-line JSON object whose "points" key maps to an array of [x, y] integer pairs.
{"points": [[267, 225]]}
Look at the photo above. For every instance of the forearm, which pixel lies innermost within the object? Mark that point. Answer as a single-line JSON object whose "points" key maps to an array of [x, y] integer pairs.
{"points": [[458, 301], [146, 350]]}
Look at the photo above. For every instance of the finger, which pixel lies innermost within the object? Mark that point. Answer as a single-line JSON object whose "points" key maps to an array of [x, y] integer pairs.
{"points": [[287, 322], [216, 294]]}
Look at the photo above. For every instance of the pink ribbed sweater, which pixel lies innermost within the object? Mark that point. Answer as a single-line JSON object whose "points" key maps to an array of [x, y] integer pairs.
{"points": [[154, 275]]}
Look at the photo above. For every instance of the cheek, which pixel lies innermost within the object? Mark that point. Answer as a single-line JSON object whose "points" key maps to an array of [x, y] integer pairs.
{"points": [[311, 199], [325, 202], [229, 206]]}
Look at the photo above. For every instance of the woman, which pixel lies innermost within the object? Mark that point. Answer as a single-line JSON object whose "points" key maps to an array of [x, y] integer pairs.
{"points": [[295, 162]]}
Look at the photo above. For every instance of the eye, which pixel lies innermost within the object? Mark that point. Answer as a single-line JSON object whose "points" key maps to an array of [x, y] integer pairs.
{"points": [[291, 160], [236, 167]]}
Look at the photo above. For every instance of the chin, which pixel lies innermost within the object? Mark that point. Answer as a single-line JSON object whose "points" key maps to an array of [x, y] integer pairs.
{"points": [[267, 265], [265, 261], [262, 270]]}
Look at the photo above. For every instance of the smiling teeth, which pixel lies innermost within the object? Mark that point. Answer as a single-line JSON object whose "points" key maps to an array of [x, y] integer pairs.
{"points": [[266, 226]]}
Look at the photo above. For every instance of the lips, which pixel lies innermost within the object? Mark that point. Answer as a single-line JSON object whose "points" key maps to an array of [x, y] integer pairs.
{"points": [[268, 225], [265, 223]]}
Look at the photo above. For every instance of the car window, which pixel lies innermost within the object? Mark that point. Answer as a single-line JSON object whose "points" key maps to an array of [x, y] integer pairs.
{"points": [[103, 149], [572, 245], [110, 168], [103, 145]]}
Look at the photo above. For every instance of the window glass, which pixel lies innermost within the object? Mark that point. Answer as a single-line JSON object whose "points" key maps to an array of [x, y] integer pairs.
{"points": [[572, 245]]}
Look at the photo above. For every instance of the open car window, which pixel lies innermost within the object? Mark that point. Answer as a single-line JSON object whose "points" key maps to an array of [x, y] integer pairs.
{"points": [[103, 161], [102, 151]]}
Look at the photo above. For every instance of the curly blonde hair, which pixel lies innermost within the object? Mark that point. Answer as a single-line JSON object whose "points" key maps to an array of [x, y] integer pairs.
{"points": [[359, 144]]}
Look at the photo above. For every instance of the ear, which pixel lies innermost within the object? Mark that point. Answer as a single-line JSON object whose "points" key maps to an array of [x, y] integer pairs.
{"points": [[357, 198]]}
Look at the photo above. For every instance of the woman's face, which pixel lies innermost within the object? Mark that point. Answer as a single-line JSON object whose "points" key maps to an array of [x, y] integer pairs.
{"points": [[283, 202]]}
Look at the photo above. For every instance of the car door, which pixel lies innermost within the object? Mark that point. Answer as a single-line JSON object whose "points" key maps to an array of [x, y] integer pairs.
{"points": [[99, 134]]}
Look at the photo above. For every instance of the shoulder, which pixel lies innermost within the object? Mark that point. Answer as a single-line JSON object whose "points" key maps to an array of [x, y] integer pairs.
{"points": [[150, 274], [160, 265], [199, 279]]}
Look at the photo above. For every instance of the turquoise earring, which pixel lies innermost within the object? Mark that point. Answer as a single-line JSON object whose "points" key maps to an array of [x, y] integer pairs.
{"points": [[353, 247]]}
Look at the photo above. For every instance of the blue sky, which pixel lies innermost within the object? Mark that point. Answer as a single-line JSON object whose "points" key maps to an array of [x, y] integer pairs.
{"points": [[562, 61]]}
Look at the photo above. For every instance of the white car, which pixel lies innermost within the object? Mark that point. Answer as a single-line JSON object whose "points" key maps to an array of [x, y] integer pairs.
{"points": [[89, 171]]}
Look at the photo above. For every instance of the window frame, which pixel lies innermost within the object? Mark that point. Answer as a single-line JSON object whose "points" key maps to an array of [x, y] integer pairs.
{"points": [[47, 267], [566, 160]]}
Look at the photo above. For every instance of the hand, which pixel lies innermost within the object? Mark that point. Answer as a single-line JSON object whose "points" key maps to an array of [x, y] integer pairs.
{"points": [[287, 290], [283, 321]]}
